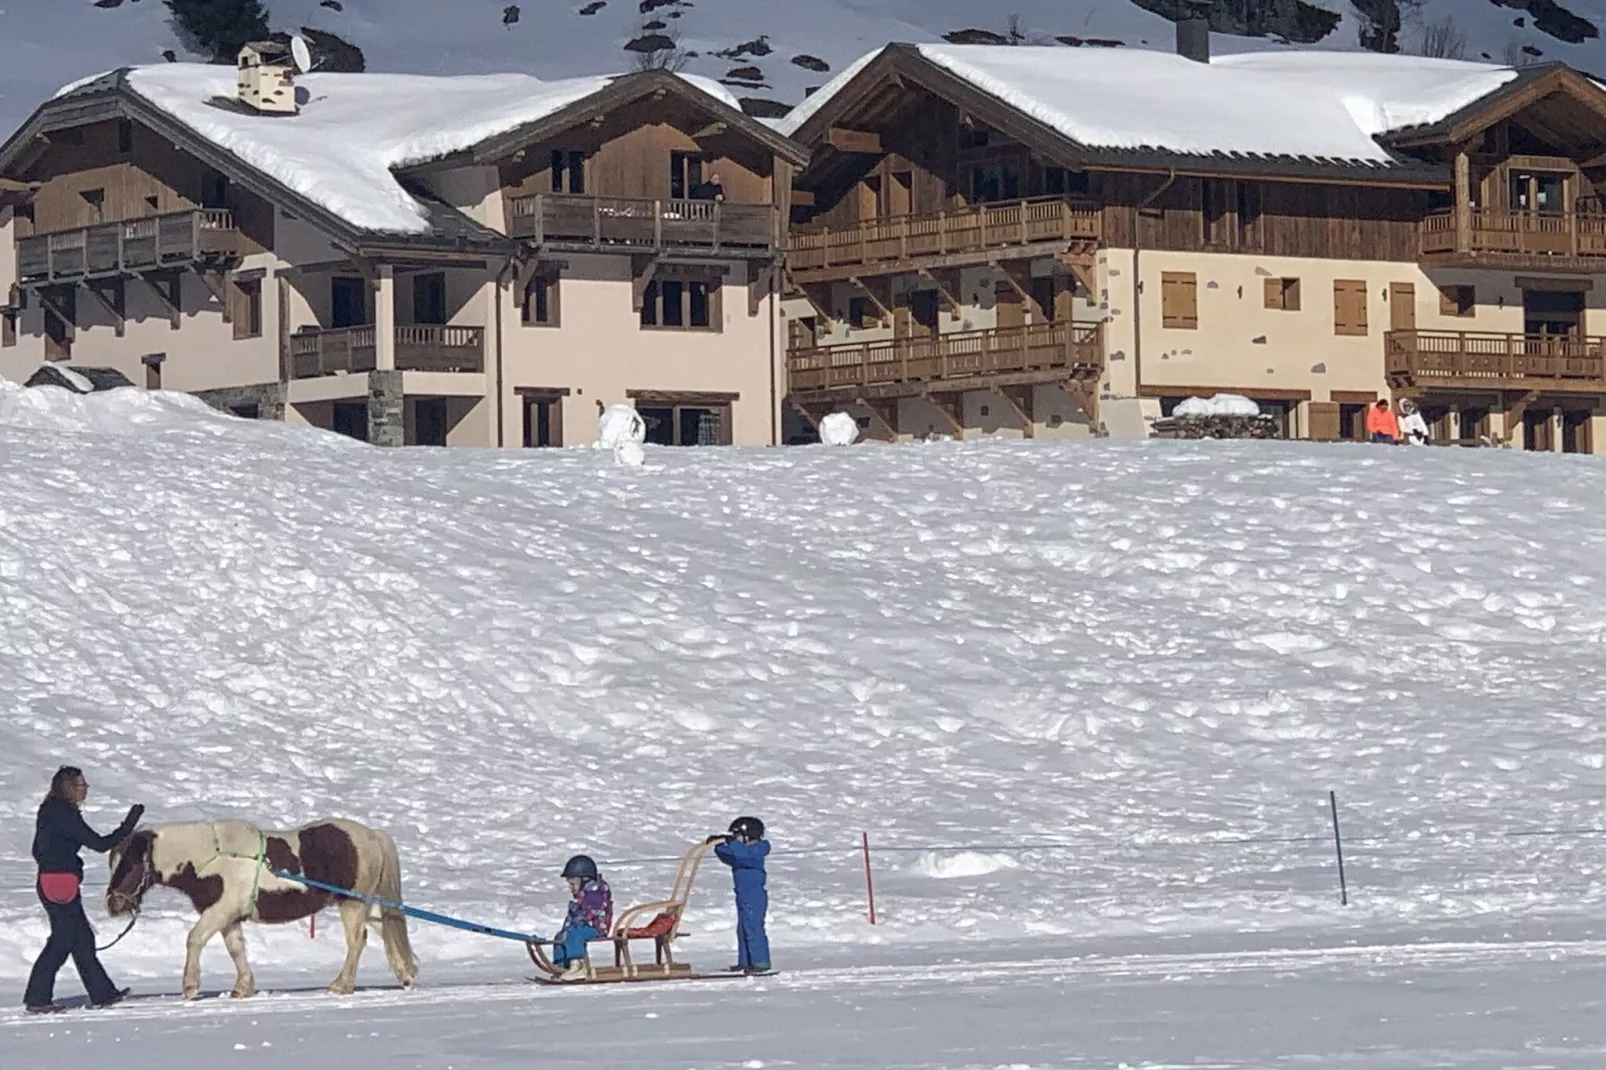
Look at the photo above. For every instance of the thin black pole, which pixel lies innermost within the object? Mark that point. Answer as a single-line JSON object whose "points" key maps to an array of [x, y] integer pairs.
{"points": [[1338, 846]]}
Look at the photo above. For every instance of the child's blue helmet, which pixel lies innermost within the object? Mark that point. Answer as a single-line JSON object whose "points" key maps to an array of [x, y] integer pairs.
{"points": [[747, 828]]}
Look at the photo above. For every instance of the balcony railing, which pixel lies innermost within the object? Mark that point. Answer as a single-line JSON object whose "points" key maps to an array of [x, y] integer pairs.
{"points": [[1494, 233], [1076, 349], [419, 348], [975, 229], [1494, 361], [170, 240], [613, 223]]}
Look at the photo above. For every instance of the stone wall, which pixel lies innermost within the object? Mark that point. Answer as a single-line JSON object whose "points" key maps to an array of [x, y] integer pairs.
{"points": [[1218, 427], [387, 413], [266, 398]]}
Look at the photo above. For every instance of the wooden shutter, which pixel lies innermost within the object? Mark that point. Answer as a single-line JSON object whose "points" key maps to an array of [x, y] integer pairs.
{"points": [[1282, 294], [1179, 299], [1324, 421], [1349, 306], [1402, 306]]}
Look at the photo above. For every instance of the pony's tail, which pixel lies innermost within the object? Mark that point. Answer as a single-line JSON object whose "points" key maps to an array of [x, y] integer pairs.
{"points": [[393, 923]]}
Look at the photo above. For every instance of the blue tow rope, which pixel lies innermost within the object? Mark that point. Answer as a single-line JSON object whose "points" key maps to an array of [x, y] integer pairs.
{"points": [[414, 912]]}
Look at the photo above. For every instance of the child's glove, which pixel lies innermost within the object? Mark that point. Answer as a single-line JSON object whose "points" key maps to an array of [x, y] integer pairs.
{"points": [[718, 837]]}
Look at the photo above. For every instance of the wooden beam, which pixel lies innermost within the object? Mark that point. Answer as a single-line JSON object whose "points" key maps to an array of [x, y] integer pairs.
{"points": [[1086, 394], [845, 140], [1018, 273], [952, 406], [802, 198], [883, 411], [218, 286], [50, 303], [119, 320], [946, 281], [1019, 398], [158, 282], [758, 286], [643, 269], [1463, 202], [880, 291], [818, 295], [1080, 265]]}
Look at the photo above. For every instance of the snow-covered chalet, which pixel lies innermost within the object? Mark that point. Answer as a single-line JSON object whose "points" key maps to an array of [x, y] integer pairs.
{"points": [[1071, 241], [482, 261]]}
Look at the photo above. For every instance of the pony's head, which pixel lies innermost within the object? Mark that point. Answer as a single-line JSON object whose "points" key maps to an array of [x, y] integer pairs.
{"points": [[133, 865]]}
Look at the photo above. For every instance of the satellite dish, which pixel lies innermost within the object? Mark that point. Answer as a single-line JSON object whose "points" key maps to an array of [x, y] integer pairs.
{"points": [[300, 53]]}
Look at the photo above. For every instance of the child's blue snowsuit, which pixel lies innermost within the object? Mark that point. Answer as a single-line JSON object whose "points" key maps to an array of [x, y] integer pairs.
{"points": [[746, 861], [590, 916]]}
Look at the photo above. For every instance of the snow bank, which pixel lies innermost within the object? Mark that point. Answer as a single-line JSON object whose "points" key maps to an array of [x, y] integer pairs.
{"points": [[946, 866], [1324, 105], [1147, 653], [1218, 405], [839, 429]]}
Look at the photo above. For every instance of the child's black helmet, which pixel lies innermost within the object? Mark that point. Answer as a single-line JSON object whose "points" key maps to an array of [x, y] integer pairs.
{"points": [[580, 866], [748, 828]]}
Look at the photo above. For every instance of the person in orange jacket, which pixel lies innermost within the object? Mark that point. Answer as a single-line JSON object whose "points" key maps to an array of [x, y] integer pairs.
{"points": [[1381, 423]]}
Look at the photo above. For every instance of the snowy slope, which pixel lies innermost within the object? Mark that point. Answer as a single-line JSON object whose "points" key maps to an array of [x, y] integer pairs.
{"points": [[45, 45], [1149, 660]]}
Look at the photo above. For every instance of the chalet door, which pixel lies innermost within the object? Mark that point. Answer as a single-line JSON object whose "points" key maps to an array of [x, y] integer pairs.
{"points": [[348, 304], [1539, 199], [351, 419], [1011, 310], [429, 421], [1043, 292], [543, 421], [1575, 436], [1536, 430], [429, 298], [924, 307], [1402, 306]]}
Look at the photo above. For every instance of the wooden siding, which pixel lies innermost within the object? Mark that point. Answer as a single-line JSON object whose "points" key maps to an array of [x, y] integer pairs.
{"points": [[152, 178], [419, 347], [176, 239], [1484, 360], [628, 155], [604, 223]]}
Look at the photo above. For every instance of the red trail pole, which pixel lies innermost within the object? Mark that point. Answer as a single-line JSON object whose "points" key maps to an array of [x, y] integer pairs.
{"points": [[869, 881]]}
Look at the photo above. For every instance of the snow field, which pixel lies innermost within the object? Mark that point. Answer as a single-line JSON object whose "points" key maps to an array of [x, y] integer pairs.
{"points": [[1140, 652]]}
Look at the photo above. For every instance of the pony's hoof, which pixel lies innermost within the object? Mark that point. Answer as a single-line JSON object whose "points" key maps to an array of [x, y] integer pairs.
{"points": [[243, 992], [192, 991], [342, 988]]}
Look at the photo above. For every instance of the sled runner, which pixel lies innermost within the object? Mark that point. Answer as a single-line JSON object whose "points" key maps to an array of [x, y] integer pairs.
{"points": [[662, 927]]}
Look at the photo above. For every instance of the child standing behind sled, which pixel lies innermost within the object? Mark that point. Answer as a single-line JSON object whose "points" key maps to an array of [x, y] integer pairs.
{"points": [[590, 916], [743, 849]]}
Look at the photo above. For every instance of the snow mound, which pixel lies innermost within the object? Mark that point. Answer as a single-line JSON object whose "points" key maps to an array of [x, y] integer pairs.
{"points": [[839, 429], [1219, 405], [946, 866], [619, 424], [630, 454], [129, 410]]}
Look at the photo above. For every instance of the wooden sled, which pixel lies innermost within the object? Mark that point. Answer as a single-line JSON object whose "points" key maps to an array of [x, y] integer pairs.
{"points": [[662, 929]]}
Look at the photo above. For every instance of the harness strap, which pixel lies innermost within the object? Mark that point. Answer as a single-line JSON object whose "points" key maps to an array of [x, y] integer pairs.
{"points": [[259, 860]]}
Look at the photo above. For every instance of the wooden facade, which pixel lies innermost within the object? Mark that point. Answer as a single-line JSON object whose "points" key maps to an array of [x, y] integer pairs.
{"points": [[1472, 360], [566, 221]]}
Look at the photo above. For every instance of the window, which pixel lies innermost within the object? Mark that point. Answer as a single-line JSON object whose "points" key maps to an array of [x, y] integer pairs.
{"points": [[348, 301], [568, 171], [994, 182], [1541, 193], [540, 307], [1179, 299], [215, 191], [861, 315], [430, 421], [680, 304], [699, 424], [1458, 301], [543, 418], [1058, 182], [429, 298], [247, 310], [1216, 196], [96, 199], [685, 174], [1349, 306], [125, 137], [1282, 294]]}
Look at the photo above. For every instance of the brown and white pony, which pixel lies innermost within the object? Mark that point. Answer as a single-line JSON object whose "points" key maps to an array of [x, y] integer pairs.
{"points": [[226, 870]]}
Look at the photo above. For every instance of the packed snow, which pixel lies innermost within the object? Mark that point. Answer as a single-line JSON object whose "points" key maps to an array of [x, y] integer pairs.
{"points": [[1087, 700], [354, 128], [839, 429], [1217, 405]]}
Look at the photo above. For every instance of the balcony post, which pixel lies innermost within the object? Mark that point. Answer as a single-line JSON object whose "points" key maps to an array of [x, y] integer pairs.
{"points": [[385, 319], [1463, 203]]}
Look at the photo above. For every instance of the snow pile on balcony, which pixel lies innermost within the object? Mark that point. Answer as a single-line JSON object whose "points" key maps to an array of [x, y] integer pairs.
{"points": [[839, 429], [354, 128], [1219, 405], [1314, 105]]}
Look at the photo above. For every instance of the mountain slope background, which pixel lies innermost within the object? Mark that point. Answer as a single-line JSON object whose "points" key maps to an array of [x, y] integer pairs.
{"points": [[770, 52]]}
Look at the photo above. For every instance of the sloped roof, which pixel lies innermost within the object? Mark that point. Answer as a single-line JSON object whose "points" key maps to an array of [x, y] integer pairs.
{"points": [[76, 378], [1329, 107]]}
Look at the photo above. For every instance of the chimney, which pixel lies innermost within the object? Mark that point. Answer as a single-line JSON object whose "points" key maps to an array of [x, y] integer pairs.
{"points": [[1193, 38], [266, 82]]}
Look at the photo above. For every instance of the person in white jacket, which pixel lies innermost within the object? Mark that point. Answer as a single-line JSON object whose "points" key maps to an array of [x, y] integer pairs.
{"points": [[1413, 429]]}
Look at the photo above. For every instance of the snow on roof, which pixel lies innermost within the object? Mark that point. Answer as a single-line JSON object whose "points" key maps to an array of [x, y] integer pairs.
{"points": [[1322, 105], [792, 120], [355, 128]]}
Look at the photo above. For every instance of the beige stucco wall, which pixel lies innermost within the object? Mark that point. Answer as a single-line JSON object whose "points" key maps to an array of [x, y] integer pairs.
{"points": [[599, 351]]}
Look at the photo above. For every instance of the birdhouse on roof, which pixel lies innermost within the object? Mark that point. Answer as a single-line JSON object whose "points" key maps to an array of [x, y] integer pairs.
{"points": [[267, 78]]}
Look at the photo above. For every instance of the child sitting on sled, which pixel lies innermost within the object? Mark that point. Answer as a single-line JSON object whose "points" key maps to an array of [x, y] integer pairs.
{"points": [[743, 849], [590, 916]]}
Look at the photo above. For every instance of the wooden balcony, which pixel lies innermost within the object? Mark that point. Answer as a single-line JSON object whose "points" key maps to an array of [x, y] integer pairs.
{"points": [[1046, 225], [1473, 360], [419, 348], [1492, 238], [613, 224], [966, 360], [175, 239]]}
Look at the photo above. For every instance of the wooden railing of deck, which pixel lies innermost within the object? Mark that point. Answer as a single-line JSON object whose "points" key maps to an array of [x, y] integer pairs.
{"points": [[1492, 231], [1495, 359], [1077, 348], [419, 348], [962, 230], [623, 223], [143, 244]]}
